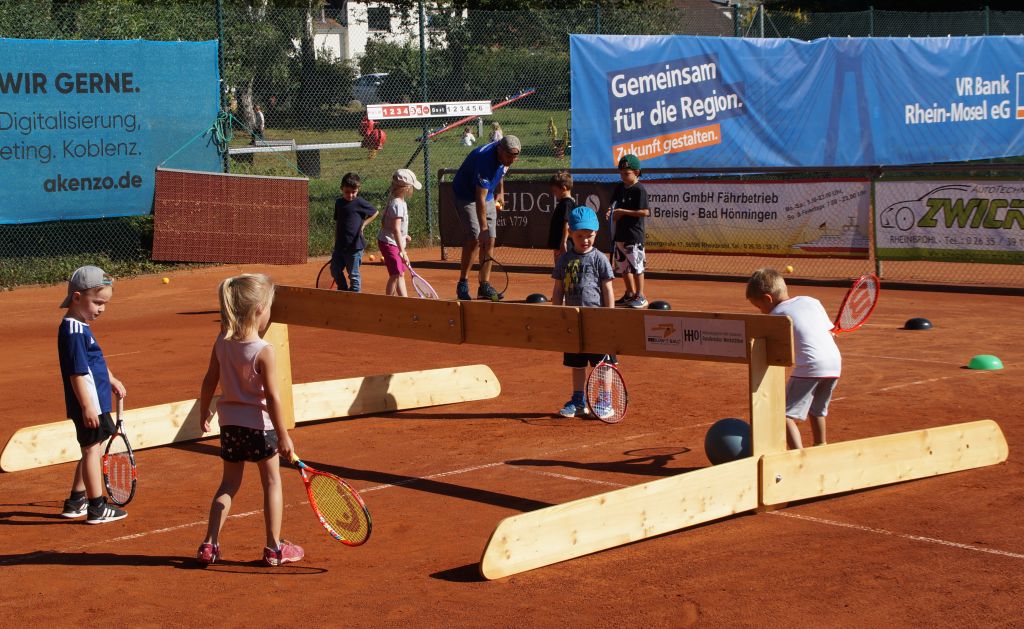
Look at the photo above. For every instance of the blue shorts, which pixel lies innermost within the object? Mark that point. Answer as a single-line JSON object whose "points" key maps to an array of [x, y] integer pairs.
{"points": [[808, 395]]}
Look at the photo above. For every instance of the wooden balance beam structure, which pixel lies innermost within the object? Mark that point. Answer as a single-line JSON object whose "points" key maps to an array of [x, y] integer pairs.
{"points": [[771, 477]]}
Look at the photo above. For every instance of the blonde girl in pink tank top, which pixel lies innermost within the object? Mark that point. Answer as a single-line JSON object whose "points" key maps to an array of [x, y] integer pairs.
{"points": [[249, 412]]}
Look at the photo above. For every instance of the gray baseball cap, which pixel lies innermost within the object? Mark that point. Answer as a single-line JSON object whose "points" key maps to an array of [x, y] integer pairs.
{"points": [[83, 279], [511, 143]]}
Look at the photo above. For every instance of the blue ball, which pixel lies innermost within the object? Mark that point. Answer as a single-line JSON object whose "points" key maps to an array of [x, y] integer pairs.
{"points": [[728, 440]]}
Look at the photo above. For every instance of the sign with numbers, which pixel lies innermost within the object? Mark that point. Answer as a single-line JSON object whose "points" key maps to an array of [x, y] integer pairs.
{"points": [[386, 111]]}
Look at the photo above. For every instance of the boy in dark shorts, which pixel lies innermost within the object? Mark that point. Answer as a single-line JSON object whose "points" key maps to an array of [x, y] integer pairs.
{"points": [[583, 277], [88, 384]]}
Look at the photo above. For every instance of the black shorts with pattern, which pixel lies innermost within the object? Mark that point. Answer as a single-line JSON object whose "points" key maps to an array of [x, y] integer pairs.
{"points": [[238, 443]]}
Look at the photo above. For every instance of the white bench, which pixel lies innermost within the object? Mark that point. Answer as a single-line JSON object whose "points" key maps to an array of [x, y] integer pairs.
{"points": [[307, 156]]}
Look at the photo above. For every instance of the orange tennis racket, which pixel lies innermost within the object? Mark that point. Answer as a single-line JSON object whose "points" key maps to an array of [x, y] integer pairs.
{"points": [[339, 508]]}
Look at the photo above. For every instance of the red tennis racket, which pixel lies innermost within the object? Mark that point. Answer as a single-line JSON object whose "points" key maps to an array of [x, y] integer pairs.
{"points": [[606, 393], [858, 304], [119, 472], [339, 508]]}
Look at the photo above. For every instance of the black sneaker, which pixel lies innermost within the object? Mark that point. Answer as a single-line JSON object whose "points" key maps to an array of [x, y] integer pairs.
{"points": [[486, 291], [74, 508], [625, 299], [462, 290], [105, 513]]}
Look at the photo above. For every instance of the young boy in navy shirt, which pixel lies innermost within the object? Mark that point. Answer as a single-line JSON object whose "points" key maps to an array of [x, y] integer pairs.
{"points": [[87, 391], [352, 213]]}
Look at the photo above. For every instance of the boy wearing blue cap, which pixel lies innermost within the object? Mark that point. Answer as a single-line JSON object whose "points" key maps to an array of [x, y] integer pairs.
{"points": [[583, 277]]}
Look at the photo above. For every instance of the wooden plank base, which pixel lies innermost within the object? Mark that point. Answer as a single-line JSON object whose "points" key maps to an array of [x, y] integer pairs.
{"points": [[573, 529], [151, 426], [874, 461]]}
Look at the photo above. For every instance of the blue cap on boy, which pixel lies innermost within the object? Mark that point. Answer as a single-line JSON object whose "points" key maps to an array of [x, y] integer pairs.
{"points": [[583, 217]]}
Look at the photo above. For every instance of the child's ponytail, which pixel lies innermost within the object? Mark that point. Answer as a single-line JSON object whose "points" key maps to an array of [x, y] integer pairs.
{"points": [[241, 299]]}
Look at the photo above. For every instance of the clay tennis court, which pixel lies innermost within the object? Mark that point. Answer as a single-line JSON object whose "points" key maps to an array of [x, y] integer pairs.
{"points": [[944, 551]]}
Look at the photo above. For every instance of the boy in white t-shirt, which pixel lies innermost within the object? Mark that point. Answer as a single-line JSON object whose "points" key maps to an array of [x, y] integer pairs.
{"points": [[818, 362]]}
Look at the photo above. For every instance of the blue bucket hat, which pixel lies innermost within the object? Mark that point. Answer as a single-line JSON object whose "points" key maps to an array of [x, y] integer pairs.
{"points": [[583, 217]]}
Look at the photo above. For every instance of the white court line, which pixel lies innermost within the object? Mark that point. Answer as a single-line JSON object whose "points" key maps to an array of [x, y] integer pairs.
{"points": [[568, 477], [916, 360], [908, 384], [915, 538], [53, 362]]}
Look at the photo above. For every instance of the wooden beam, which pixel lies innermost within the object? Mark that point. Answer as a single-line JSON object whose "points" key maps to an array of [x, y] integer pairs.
{"points": [[277, 335], [851, 465], [546, 536], [767, 401], [404, 317], [151, 426], [553, 328], [708, 336]]}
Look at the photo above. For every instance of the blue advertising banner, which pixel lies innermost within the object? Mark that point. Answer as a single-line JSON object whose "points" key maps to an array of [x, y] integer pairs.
{"points": [[679, 101], [83, 124]]}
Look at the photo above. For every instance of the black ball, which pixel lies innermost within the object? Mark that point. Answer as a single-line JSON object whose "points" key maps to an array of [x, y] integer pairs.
{"points": [[918, 323], [659, 305], [537, 298]]}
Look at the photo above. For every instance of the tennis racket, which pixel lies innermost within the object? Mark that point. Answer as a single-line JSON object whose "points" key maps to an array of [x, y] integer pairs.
{"points": [[606, 392], [500, 268], [324, 279], [339, 508], [119, 473], [858, 304], [421, 286]]}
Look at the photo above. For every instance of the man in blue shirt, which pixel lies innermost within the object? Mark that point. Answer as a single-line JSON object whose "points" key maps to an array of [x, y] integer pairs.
{"points": [[478, 188]]}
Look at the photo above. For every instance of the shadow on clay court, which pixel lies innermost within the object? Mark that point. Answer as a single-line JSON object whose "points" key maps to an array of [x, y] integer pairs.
{"points": [[469, 573], [51, 514], [402, 481], [57, 558], [652, 465], [523, 417]]}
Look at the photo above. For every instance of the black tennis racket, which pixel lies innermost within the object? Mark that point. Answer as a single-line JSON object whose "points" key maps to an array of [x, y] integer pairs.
{"points": [[324, 279], [499, 269], [119, 472]]}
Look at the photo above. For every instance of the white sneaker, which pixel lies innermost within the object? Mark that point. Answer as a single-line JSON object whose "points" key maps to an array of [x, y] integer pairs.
{"points": [[638, 302]]}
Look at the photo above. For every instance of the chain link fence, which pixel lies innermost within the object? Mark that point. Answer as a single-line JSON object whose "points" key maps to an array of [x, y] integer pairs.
{"points": [[311, 72]]}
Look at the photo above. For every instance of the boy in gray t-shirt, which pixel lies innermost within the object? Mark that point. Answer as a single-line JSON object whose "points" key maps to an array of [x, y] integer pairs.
{"points": [[583, 277]]}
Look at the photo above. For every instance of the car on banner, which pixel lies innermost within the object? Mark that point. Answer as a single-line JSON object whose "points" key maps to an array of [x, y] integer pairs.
{"points": [[903, 215], [366, 88]]}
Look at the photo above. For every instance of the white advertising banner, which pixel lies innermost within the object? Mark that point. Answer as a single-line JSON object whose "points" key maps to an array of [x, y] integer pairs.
{"points": [[689, 335], [428, 110], [828, 219], [951, 221]]}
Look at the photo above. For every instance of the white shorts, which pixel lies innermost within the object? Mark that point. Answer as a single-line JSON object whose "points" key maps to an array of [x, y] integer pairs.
{"points": [[808, 395], [628, 259]]}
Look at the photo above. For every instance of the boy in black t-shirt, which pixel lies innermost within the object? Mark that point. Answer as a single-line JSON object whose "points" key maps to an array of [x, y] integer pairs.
{"points": [[352, 213], [629, 208], [561, 192]]}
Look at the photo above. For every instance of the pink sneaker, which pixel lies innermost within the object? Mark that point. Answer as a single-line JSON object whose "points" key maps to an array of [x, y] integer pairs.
{"points": [[286, 552], [208, 553]]}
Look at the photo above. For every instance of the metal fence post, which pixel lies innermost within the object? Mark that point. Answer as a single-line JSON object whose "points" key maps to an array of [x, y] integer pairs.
{"points": [[597, 19], [987, 13], [426, 129], [871, 21], [220, 71], [735, 20]]}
